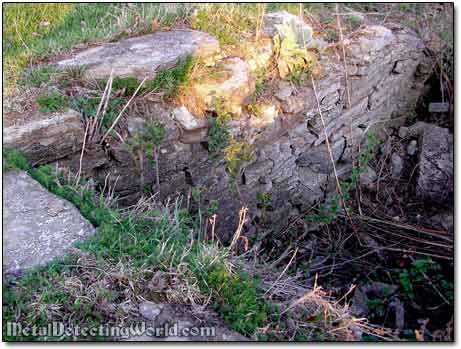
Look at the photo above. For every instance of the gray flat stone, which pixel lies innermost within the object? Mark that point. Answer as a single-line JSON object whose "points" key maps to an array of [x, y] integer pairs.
{"points": [[145, 55], [45, 137], [37, 225], [150, 310]]}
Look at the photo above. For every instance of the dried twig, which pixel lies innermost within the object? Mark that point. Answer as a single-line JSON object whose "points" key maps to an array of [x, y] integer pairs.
{"points": [[123, 110], [330, 153], [81, 155], [238, 232], [283, 272]]}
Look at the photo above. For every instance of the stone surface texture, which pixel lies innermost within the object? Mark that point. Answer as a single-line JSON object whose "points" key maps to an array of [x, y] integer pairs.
{"points": [[435, 169], [232, 92], [45, 137], [145, 55], [37, 225]]}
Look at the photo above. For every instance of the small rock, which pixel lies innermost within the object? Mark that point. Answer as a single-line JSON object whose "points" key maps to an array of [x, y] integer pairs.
{"points": [[439, 107], [412, 147], [403, 132], [372, 39], [368, 177], [284, 93], [435, 170], [397, 165], [445, 220], [150, 310], [187, 121], [45, 137], [135, 125]]}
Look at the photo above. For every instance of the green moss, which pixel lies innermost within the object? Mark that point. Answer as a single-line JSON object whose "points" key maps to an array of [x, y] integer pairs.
{"points": [[14, 159]]}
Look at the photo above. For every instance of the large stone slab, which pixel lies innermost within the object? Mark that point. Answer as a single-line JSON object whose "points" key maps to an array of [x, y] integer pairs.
{"points": [[37, 225], [145, 55], [45, 137]]}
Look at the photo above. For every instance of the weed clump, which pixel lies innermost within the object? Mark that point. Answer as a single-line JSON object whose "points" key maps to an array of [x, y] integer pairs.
{"points": [[88, 106], [238, 300], [51, 101], [218, 135], [170, 80], [147, 145]]}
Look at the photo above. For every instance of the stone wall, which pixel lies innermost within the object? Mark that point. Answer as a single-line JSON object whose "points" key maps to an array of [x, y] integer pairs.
{"points": [[386, 68]]}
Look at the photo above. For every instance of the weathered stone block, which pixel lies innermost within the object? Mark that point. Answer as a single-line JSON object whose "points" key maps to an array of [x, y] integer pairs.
{"points": [[143, 56], [37, 225]]}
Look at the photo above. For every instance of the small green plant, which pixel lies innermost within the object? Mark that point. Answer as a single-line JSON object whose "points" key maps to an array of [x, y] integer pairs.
{"points": [[212, 207], [264, 200], [416, 275], [353, 22], [147, 144], [236, 155], [254, 109], [327, 212], [218, 134], [126, 85], [331, 35], [38, 76], [50, 101]]}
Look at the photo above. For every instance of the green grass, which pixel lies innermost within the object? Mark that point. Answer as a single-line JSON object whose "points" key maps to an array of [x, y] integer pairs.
{"points": [[229, 23], [37, 76], [13, 159], [50, 101], [238, 300]]}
